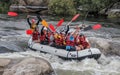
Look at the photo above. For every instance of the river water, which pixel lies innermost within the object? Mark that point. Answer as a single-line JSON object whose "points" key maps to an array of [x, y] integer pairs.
{"points": [[13, 44]]}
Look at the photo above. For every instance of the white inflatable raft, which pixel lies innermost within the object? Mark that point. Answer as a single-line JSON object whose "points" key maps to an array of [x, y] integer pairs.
{"points": [[91, 52]]}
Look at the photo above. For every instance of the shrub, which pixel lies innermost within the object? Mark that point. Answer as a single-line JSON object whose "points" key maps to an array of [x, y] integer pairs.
{"points": [[4, 6], [62, 7]]}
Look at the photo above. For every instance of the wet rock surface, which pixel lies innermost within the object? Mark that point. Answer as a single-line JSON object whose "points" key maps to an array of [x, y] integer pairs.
{"points": [[25, 66], [29, 5]]}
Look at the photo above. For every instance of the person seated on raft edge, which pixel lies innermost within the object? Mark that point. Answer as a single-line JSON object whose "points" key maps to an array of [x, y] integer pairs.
{"points": [[32, 24], [44, 36], [35, 35], [83, 42]]}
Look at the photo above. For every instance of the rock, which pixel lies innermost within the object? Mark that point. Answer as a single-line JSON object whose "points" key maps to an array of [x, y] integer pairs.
{"points": [[29, 5], [112, 10], [4, 62], [107, 47], [25, 66], [115, 48], [100, 43]]}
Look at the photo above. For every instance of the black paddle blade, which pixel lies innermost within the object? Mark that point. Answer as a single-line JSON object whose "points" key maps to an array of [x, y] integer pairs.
{"points": [[87, 28]]}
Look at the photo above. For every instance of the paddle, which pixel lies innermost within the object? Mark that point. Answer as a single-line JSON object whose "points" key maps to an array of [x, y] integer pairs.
{"points": [[74, 18], [29, 32], [13, 14], [52, 27], [60, 23], [94, 27], [44, 23]]}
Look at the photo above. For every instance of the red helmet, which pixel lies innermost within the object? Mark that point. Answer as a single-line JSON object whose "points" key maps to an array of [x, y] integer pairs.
{"points": [[33, 20]]}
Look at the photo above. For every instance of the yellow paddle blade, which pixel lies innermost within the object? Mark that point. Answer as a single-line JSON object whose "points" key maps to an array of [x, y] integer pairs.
{"points": [[44, 23]]}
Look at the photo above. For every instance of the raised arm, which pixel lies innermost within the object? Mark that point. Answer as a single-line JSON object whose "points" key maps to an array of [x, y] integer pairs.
{"points": [[41, 32], [39, 19], [68, 28], [28, 21]]}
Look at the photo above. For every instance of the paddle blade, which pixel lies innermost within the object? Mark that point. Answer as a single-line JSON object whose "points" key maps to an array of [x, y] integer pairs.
{"points": [[12, 14], [60, 22], [52, 27], [75, 17], [87, 28], [44, 23], [29, 32], [96, 27]]}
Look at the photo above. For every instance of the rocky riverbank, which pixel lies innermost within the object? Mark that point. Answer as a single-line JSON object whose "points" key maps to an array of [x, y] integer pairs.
{"points": [[41, 6]]}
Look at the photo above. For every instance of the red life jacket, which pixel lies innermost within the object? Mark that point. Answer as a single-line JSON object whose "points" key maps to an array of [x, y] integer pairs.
{"points": [[42, 37], [76, 40], [35, 35], [48, 36], [45, 37], [83, 42], [69, 42]]}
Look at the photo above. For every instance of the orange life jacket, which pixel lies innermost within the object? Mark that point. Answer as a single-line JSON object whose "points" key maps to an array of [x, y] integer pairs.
{"points": [[59, 40]]}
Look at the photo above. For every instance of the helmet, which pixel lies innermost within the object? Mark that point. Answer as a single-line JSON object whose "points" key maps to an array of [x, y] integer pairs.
{"points": [[71, 38], [59, 36], [44, 28], [81, 34], [71, 30], [33, 20], [62, 32]]}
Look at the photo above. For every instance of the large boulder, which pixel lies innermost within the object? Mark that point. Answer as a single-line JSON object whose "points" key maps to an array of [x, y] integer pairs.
{"points": [[29, 5], [3, 63], [107, 47], [100, 43], [25, 66], [112, 10]]}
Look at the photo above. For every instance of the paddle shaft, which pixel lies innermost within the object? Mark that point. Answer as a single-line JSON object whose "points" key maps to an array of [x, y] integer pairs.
{"points": [[84, 19]]}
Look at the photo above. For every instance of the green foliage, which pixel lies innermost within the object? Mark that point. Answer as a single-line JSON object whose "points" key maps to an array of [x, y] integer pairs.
{"points": [[62, 7], [4, 6], [94, 5]]}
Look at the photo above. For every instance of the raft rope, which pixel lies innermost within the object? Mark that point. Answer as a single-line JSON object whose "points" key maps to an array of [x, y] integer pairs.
{"points": [[77, 54], [68, 53], [90, 51]]}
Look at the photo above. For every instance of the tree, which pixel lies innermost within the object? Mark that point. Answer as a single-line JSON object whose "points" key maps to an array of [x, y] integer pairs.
{"points": [[94, 5], [62, 7]]}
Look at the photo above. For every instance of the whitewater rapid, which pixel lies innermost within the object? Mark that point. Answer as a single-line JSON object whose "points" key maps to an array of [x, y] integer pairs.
{"points": [[103, 66], [13, 44]]}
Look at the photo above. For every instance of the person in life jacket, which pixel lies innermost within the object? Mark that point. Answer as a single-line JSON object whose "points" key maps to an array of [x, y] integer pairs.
{"points": [[35, 35], [33, 24], [60, 40], [71, 40], [44, 36], [83, 42]]}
